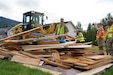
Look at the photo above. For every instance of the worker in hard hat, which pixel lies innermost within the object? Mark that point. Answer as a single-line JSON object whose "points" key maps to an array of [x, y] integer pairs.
{"points": [[100, 36], [80, 37], [61, 29]]}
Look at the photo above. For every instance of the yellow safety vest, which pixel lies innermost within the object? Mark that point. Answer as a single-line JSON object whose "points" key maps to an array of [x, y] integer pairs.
{"points": [[81, 39], [110, 32], [60, 30]]}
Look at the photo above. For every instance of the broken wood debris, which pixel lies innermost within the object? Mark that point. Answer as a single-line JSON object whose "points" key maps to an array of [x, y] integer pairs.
{"points": [[65, 61], [46, 60], [65, 55]]}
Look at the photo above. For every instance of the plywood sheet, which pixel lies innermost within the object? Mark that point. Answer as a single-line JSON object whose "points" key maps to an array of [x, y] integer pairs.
{"points": [[25, 60], [95, 70]]}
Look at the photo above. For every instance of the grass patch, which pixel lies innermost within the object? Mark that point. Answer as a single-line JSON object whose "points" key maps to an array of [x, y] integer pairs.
{"points": [[11, 68], [108, 72]]}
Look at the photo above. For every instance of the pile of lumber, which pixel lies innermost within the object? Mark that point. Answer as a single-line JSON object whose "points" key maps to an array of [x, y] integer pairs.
{"points": [[59, 59], [53, 53], [89, 62]]}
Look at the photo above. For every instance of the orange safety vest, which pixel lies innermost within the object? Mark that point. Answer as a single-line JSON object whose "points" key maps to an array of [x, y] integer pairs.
{"points": [[102, 34]]}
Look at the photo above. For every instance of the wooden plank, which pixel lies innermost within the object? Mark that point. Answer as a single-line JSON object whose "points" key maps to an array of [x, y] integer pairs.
{"points": [[20, 34], [97, 63], [32, 39], [88, 63], [47, 61], [5, 54], [81, 67], [38, 47], [95, 70], [101, 62], [74, 61], [96, 56], [39, 52], [80, 46], [56, 56], [87, 53], [17, 53], [43, 56], [45, 70], [2, 56], [85, 59], [25, 60]]}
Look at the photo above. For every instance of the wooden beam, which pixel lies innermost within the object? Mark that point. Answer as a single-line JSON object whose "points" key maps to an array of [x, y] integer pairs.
{"points": [[38, 47]]}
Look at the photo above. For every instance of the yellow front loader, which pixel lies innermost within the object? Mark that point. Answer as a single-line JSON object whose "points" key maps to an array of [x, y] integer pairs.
{"points": [[32, 20]]}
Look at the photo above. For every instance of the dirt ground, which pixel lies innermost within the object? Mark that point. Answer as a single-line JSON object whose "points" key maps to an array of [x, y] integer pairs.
{"points": [[63, 71]]}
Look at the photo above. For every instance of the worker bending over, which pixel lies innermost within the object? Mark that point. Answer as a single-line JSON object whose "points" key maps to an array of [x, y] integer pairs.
{"points": [[80, 37]]}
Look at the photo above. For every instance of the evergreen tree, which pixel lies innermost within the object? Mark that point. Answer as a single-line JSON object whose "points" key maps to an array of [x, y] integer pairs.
{"points": [[91, 34], [79, 26]]}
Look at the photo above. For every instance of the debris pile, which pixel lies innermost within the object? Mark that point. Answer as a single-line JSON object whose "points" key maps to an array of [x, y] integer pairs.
{"points": [[53, 53]]}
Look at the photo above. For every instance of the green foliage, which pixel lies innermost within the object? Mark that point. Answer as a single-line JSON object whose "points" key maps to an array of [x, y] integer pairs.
{"points": [[78, 26], [108, 72], [104, 20], [11, 68], [90, 34]]}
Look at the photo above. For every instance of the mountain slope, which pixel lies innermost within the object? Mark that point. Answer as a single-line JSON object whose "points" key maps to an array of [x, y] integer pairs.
{"points": [[7, 22]]}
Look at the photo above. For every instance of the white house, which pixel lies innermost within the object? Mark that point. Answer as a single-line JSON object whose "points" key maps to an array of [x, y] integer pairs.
{"points": [[71, 27]]}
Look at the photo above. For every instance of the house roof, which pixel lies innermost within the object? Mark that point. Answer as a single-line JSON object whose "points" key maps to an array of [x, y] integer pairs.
{"points": [[65, 23]]}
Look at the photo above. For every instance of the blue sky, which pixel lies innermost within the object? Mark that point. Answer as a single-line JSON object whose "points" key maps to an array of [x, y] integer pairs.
{"points": [[85, 11]]}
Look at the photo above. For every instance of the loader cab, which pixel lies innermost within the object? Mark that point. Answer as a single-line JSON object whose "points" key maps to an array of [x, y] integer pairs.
{"points": [[30, 18]]}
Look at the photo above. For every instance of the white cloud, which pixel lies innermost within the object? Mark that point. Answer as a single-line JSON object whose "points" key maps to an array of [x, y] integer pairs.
{"points": [[84, 11]]}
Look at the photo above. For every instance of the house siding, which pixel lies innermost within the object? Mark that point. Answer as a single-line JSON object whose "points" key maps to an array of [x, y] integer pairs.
{"points": [[72, 30]]}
